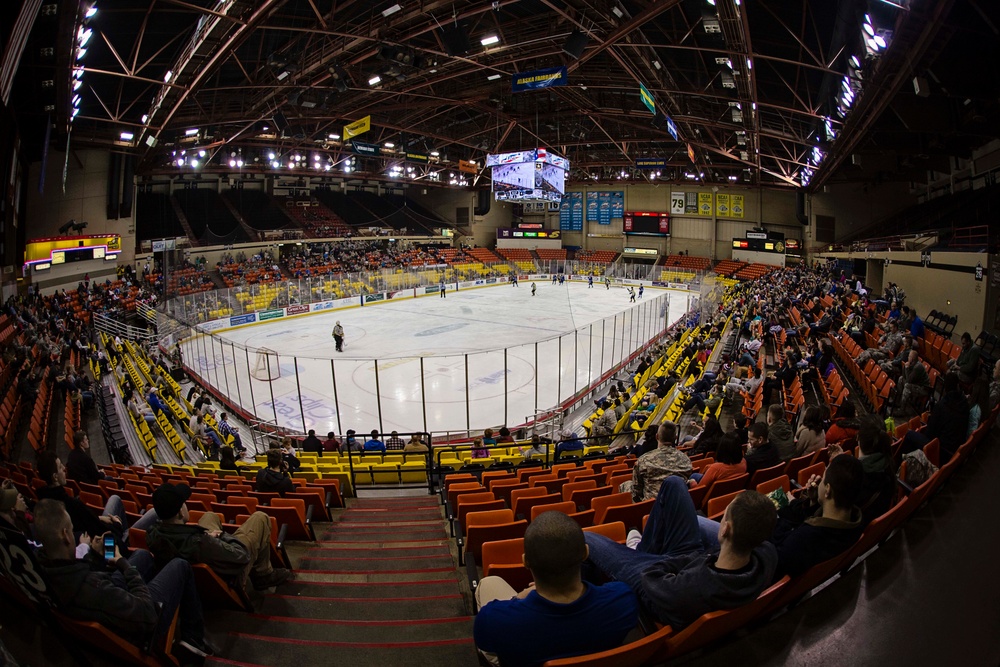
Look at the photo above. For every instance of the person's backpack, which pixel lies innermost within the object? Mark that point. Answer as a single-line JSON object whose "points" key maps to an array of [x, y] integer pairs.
{"points": [[919, 469]]}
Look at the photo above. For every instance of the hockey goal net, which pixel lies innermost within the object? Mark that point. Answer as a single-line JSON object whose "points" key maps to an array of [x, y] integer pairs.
{"points": [[265, 367]]}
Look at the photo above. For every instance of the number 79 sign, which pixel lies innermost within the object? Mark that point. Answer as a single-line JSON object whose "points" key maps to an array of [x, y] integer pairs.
{"points": [[677, 203]]}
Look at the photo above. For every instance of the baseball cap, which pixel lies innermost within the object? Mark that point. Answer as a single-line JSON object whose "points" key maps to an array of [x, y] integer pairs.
{"points": [[168, 499], [8, 498]]}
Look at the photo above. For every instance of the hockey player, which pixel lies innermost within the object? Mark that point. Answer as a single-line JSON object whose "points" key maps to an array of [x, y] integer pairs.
{"points": [[513, 279], [607, 282], [631, 294], [444, 290], [590, 282], [533, 288], [640, 291]]}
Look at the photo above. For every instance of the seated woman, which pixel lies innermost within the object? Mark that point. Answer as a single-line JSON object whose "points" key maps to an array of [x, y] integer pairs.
{"points": [[227, 459], [845, 426], [729, 463], [708, 440], [810, 436]]}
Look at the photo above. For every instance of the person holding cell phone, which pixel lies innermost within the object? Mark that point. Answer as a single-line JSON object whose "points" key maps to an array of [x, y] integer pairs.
{"points": [[120, 593]]}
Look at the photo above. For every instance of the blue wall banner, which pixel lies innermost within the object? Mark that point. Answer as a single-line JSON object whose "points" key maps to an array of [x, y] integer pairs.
{"points": [[593, 207], [618, 204], [539, 78], [571, 212], [604, 208]]}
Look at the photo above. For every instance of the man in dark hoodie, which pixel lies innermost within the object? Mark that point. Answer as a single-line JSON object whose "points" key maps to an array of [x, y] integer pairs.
{"points": [[86, 588], [673, 573], [761, 453], [274, 478], [242, 555], [823, 521], [312, 444], [779, 432]]}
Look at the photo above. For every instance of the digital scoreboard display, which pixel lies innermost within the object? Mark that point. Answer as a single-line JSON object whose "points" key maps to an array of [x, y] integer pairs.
{"points": [[649, 223]]}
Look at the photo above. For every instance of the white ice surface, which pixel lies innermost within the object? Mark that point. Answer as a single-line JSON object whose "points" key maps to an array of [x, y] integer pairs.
{"points": [[459, 342]]}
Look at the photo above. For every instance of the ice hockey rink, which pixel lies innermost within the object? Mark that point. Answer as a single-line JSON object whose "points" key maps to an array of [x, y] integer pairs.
{"points": [[441, 362]]}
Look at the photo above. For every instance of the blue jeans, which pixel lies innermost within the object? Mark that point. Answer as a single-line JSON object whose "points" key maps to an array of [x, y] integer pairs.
{"points": [[174, 587], [115, 507]]}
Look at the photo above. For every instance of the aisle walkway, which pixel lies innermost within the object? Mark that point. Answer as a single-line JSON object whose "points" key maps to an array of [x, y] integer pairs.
{"points": [[379, 587]]}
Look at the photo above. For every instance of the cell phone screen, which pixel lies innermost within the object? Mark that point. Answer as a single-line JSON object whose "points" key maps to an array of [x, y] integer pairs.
{"points": [[109, 548]]}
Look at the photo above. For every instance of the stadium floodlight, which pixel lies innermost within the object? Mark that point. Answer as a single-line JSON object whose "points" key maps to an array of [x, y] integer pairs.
{"points": [[489, 40], [91, 11], [191, 132], [375, 80], [80, 53], [169, 75], [493, 77], [126, 136], [435, 153], [84, 35], [145, 117], [201, 153], [333, 136], [389, 144]]}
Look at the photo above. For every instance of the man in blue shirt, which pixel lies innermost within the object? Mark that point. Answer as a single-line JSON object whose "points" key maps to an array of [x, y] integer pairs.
{"points": [[560, 615], [374, 444]]}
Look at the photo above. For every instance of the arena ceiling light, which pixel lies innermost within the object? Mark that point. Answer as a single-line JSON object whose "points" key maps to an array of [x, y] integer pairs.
{"points": [[389, 144], [489, 40], [191, 132], [375, 80], [391, 10], [91, 11], [493, 77], [126, 136]]}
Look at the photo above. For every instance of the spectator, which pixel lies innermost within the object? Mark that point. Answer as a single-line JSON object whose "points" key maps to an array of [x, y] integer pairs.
{"points": [[373, 444], [878, 490], [569, 443], [87, 590], [394, 442], [331, 444], [915, 382], [783, 377], [967, 363], [779, 432], [227, 459], [728, 464], [505, 436], [226, 429], [244, 555], [153, 398], [711, 434], [140, 411], [889, 344], [14, 510], [312, 444], [80, 466], [275, 478], [948, 422], [823, 521], [351, 443], [845, 426], [288, 454], [488, 438], [204, 436], [979, 406], [761, 453], [113, 519], [605, 425], [479, 450], [652, 468], [535, 448], [677, 574], [415, 445], [561, 615], [740, 422], [810, 436]]}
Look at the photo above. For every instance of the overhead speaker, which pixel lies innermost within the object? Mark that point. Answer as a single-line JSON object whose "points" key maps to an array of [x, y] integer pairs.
{"points": [[800, 207], [456, 40], [280, 122], [575, 44]]}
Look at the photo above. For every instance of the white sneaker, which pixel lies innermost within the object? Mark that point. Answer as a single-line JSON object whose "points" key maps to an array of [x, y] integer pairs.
{"points": [[633, 539]]}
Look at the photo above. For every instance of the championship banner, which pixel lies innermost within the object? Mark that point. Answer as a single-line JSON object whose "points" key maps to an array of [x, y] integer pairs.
{"points": [[690, 202], [722, 205], [676, 203], [672, 128], [704, 203], [467, 167], [736, 206], [362, 148], [539, 78], [358, 127], [593, 207]]}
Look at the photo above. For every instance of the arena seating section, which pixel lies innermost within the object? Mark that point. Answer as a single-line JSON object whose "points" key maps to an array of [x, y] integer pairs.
{"points": [[597, 256], [728, 267], [317, 220], [210, 219], [545, 254], [259, 211], [688, 262]]}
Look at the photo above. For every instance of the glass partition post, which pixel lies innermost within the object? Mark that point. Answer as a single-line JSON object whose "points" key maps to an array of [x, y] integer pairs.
{"points": [[423, 393], [614, 335], [468, 408], [559, 373], [378, 399], [536, 377], [270, 386], [336, 403], [253, 402], [576, 359], [298, 390], [603, 323], [225, 366], [506, 394], [236, 377], [590, 357]]}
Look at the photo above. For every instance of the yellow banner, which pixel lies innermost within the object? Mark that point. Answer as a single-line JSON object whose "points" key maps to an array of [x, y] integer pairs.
{"points": [[358, 127], [722, 205], [736, 206], [704, 203], [467, 167]]}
